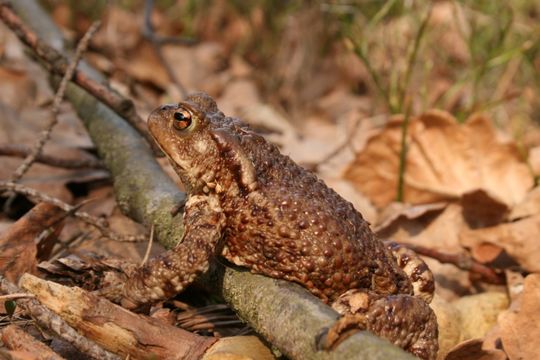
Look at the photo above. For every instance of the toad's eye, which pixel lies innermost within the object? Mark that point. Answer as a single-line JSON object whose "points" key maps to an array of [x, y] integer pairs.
{"points": [[182, 120]]}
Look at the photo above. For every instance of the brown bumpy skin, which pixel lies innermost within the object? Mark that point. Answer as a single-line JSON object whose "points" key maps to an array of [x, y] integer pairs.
{"points": [[259, 209]]}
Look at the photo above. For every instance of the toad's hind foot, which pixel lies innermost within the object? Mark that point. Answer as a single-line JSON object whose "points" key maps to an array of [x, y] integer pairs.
{"points": [[404, 320], [416, 269]]}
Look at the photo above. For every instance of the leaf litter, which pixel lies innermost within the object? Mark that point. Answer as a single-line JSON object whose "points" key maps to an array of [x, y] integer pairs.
{"points": [[466, 191]]}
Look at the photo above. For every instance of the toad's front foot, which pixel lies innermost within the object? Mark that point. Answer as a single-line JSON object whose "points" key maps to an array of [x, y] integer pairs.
{"points": [[404, 320]]}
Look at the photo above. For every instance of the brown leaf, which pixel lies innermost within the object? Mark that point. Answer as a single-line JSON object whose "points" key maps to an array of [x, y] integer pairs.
{"points": [[17, 245], [472, 350], [13, 83], [528, 207], [520, 325], [519, 239], [486, 252], [393, 214], [444, 161], [479, 312], [481, 209]]}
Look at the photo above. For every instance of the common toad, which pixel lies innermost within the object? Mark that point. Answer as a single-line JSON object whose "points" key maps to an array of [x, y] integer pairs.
{"points": [[260, 210]]}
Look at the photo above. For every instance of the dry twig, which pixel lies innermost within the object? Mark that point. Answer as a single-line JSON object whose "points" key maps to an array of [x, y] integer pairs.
{"points": [[23, 151], [99, 224], [55, 109], [56, 63], [49, 320], [16, 296]]}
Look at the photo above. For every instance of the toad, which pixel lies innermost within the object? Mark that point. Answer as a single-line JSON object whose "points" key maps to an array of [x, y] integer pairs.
{"points": [[258, 209]]}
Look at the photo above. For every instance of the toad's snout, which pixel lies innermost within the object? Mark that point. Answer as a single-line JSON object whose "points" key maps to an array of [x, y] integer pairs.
{"points": [[158, 117]]}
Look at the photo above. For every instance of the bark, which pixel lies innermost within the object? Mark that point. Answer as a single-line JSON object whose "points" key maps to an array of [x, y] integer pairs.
{"points": [[114, 328], [15, 338], [287, 315]]}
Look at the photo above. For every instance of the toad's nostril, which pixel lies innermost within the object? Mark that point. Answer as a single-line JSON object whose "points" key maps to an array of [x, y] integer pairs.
{"points": [[166, 107]]}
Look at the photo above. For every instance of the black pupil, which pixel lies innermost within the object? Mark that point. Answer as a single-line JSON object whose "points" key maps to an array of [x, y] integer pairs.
{"points": [[183, 119]]}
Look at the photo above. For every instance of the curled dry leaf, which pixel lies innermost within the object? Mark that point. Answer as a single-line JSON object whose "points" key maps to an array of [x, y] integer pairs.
{"points": [[519, 239], [520, 325], [444, 161]]}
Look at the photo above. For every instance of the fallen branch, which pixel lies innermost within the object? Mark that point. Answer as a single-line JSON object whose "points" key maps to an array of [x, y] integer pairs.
{"points": [[49, 320], [114, 328]]}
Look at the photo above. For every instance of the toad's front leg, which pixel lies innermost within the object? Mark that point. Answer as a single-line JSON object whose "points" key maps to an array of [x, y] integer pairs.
{"points": [[169, 273]]}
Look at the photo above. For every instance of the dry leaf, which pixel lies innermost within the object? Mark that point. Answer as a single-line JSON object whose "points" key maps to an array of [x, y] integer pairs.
{"points": [[520, 325], [449, 321], [479, 313], [481, 209], [486, 252], [392, 215], [440, 231], [519, 239], [472, 350], [18, 244], [528, 207], [444, 161], [514, 283]]}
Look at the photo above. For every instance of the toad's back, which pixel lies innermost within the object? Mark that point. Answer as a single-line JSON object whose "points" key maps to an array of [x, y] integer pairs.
{"points": [[293, 226]]}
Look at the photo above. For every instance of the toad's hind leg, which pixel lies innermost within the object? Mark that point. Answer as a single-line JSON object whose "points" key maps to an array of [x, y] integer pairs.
{"points": [[416, 269], [168, 274], [406, 321]]}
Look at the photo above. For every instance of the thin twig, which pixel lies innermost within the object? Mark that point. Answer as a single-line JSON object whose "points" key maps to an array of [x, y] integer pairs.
{"points": [[100, 224], [149, 246], [460, 260], [156, 42], [57, 63], [22, 151], [55, 109], [16, 296]]}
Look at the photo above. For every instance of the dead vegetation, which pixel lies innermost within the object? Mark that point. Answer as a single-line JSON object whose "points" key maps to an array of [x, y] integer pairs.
{"points": [[424, 115]]}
